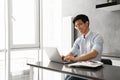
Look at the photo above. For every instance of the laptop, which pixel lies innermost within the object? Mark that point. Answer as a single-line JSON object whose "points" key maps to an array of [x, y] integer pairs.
{"points": [[54, 55]]}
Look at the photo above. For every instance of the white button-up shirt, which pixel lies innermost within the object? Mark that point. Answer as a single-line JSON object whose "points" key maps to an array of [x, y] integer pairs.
{"points": [[92, 41]]}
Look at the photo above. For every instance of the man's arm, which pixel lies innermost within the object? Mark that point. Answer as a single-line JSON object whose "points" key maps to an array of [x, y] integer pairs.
{"points": [[87, 56], [84, 57]]}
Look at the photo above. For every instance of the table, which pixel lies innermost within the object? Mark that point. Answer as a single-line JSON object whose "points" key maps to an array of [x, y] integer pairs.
{"points": [[106, 72]]}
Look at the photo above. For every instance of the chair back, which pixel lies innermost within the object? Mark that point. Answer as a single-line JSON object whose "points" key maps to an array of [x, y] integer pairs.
{"points": [[106, 61]]}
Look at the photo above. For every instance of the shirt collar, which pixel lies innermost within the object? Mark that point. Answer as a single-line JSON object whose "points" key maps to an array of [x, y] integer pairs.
{"points": [[86, 34]]}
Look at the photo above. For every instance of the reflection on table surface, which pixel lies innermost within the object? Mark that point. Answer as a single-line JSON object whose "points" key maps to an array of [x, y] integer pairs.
{"points": [[106, 72]]}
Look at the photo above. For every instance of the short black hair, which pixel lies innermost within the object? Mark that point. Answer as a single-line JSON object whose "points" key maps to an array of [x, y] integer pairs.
{"points": [[82, 17]]}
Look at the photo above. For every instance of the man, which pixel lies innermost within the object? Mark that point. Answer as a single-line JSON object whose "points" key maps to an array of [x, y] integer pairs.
{"points": [[88, 46]]}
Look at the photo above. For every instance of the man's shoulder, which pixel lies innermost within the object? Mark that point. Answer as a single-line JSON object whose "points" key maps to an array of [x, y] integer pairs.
{"points": [[95, 34]]}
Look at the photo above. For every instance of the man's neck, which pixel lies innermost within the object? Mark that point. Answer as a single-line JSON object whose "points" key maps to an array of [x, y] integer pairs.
{"points": [[86, 32]]}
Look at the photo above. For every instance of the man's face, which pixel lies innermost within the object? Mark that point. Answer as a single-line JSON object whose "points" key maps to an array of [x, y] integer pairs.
{"points": [[81, 26]]}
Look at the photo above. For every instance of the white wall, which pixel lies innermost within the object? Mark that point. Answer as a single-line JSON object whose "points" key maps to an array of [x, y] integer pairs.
{"points": [[67, 35], [51, 22], [51, 32]]}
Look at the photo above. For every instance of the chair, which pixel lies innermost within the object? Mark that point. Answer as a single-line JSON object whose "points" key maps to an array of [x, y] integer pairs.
{"points": [[106, 61]]}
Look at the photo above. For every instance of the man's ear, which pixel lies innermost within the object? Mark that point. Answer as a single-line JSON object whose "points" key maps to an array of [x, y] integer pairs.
{"points": [[87, 23]]}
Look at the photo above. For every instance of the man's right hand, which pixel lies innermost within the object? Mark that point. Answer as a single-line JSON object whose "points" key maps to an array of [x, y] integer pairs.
{"points": [[66, 58], [63, 57]]}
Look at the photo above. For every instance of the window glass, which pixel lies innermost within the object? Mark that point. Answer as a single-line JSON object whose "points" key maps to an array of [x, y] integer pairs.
{"points": [[24, 22], [2, 66], [19, 59], [2, 26]]}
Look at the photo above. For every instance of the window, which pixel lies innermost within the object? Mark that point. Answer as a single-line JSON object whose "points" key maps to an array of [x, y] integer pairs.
{"points": [[2, 41], [23, 29], [24, 26]]}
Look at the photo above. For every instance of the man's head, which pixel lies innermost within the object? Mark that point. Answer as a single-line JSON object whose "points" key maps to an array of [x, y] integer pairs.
{"points": [[81, 23]]}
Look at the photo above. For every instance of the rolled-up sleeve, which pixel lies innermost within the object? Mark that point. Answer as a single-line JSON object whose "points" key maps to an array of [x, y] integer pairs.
{"points": [[98, 44], [75, 48]]}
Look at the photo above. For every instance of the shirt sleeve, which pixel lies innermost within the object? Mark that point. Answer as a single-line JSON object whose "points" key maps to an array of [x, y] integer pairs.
{"points": [[75, 48], [98, 44]]}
